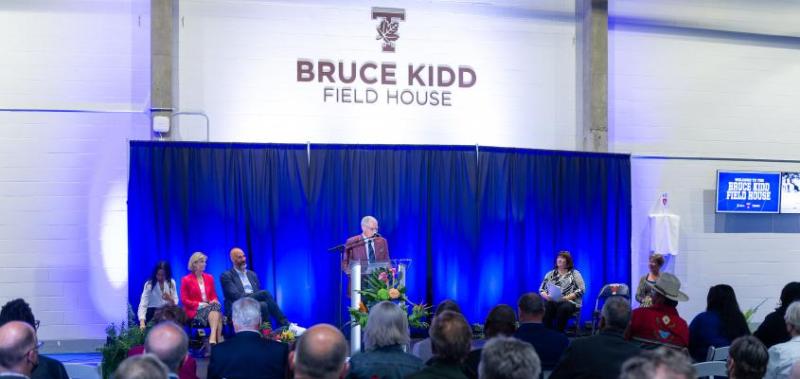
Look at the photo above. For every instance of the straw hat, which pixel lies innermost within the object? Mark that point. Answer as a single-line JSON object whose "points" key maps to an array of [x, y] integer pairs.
{"points": [[669, 286]]}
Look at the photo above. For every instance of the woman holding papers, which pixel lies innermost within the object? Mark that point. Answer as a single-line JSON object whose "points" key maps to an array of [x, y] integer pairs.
{"points": [[563, 290]]}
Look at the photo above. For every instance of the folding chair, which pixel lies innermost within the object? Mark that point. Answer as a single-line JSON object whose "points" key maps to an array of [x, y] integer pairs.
{"points": [[711, 369], [718, 353], [608, 290]]}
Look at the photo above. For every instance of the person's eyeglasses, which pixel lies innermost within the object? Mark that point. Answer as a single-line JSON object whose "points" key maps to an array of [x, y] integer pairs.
{"points": [[36, 324]]}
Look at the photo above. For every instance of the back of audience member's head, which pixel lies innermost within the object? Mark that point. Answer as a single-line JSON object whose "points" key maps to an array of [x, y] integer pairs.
{"points": [[747, 358], [722, 300], [451, 337], [246, 314], [508, 358], [447, 305], [661, 363], [789, 294], [321, 353], [501, 321], [172, 313], [530, 304], [144, 366], [387, 326], [17, 310], [792, 318], [169, 343], [18, 352], [616, 314]]}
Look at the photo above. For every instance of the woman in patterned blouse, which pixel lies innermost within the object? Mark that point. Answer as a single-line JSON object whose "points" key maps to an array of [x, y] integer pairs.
{"points": [[569, 280]]}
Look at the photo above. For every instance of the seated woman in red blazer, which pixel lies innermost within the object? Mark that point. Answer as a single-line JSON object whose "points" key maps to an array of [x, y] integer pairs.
{"points": [[199, 298]]}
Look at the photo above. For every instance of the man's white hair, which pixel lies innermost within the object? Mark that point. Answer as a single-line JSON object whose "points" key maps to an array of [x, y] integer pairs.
{"points": [[367, 220], [247, 313]]}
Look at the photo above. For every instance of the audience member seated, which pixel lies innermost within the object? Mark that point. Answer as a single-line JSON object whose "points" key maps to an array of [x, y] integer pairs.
{"points": [[549, 344], [721, 323], [422, 349], [644, 291], [501, 321], [661, 323], [783, 355], [660, 363], [321, 353], [175, 314], [159, 290], [146, 366], [18, 352], [239, 282], [170, 344], [600, 356], [247, 355], [384, 337], [199, 297], [508, 358], [450, 340], [747, 358], [773, 330], [19, 310], [570, 284]]}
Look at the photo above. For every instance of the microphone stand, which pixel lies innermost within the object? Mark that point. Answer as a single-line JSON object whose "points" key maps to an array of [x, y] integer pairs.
{"points": [[341, 249]]}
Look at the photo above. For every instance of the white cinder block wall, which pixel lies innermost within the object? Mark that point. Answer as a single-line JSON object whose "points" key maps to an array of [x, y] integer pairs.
{"points": [[63, 176], [729, 92]]}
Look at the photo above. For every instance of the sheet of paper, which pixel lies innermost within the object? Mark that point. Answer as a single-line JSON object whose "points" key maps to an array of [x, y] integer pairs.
{"points": [[554, 291]]}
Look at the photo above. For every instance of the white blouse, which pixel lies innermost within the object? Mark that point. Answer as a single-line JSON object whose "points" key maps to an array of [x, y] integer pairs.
{"points": [[151, 297]]}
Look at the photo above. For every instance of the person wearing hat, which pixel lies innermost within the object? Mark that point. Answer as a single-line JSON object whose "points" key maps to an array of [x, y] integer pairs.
{"points": [[660, 323]]}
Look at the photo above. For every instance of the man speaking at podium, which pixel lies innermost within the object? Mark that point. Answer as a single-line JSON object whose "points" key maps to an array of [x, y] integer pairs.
{"points": [[369, 246]]}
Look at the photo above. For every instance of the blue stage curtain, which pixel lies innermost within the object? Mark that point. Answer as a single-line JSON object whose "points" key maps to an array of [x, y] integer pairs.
{"points": [[481, 228], [187, 197], [535, 203]]}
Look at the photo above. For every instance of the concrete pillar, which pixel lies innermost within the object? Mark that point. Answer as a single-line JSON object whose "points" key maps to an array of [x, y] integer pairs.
{"points": [[163, 50], [592, 71]]}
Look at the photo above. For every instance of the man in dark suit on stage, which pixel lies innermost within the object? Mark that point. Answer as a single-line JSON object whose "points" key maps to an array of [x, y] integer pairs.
{"points": [[240, 282], [549, 344], [600, 356], [247, 355], [368, 246]]}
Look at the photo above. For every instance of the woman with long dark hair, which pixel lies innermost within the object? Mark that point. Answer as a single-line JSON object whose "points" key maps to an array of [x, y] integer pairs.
{"points": [[159, 290], [773, 330], [719, 325]]}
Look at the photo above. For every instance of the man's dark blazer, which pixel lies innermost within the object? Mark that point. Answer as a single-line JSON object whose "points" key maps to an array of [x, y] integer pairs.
{"points": [[599, 356], [248, 356], [356, 249], [49, 368], [549, 344], [233, 289]]}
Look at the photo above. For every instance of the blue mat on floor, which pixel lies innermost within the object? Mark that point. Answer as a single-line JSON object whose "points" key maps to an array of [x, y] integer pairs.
{"points": [[92, 359]]}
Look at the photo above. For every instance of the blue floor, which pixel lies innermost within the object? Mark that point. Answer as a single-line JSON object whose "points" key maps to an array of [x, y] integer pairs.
{"points": [[91, 359]]}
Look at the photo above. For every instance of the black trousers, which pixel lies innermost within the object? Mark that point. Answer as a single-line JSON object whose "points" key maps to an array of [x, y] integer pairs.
{"points": [[269, 308], [556, 314]]}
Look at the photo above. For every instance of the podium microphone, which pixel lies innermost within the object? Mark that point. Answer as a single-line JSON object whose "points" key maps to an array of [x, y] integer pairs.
{"points": [[377, 235]]}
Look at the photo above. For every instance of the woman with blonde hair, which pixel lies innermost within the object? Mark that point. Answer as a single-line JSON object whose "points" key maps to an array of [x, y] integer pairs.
{"points": [[199, 298]]}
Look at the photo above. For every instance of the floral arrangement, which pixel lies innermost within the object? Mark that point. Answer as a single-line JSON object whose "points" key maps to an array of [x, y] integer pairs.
{"points": [[384, 284], [120, 339], [281, 334], [752, 310]]}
